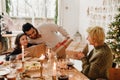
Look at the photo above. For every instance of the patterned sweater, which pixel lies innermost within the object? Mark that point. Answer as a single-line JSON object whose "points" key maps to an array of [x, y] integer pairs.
{"points": [[97, 63]]}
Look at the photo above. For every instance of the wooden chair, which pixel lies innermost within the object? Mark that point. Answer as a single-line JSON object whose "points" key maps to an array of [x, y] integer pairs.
{"points": [[114, 74]]}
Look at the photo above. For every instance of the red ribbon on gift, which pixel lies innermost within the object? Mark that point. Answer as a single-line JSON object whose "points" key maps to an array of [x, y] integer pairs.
{"points": [[61, 43]]}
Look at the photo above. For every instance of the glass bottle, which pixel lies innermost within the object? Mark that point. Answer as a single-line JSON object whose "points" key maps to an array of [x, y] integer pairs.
{"points": [[77, 37]]}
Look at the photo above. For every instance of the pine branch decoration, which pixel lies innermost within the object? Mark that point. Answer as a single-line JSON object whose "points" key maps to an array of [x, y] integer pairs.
{"points": [[113, 37]]}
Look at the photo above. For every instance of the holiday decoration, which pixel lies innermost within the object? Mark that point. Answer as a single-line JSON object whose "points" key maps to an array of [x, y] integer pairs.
{"points": [[113, 37]]}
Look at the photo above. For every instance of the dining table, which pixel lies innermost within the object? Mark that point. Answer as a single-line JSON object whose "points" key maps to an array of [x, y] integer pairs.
{"points": [[34, 69]]}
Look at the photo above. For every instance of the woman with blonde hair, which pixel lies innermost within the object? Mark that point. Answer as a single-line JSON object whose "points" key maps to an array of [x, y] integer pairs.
{"points": [[96, 64]]}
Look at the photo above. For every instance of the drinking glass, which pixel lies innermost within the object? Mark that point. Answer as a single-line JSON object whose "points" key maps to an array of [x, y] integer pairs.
{"points": [[12, 58], [11, 63], [45, 69], [11, 77], [19, 68]]}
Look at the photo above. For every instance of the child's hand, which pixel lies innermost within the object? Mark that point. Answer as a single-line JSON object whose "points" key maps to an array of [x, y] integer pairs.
{"points": [[26, 53], [19, 56]]}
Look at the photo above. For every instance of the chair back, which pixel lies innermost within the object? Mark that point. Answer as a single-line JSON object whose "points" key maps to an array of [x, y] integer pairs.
{"points": [[114, 74]]}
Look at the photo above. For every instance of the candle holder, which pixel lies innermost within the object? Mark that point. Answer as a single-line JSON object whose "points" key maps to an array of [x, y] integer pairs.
{"points": [[20, 69], [41, 70], [53, 77]]}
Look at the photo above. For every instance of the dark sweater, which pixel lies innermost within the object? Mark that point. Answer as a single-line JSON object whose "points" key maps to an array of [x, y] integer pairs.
{"points": [[15, 52], [97, 63]]}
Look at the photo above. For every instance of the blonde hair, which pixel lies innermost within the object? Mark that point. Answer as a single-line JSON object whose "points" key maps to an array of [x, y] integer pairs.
{"points": [[97, 34]]}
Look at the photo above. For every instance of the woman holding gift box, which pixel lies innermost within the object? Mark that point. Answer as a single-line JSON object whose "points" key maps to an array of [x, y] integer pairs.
{"points": [[96, 64], [21, 40]]}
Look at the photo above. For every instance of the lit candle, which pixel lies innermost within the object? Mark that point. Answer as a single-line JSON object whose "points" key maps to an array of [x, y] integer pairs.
{"points": [[22, 53], [54, 69], [49, 54], [42, 57], [48, 51]]}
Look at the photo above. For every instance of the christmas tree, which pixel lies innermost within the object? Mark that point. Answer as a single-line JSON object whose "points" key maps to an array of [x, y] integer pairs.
{"points": [[113, 37]]}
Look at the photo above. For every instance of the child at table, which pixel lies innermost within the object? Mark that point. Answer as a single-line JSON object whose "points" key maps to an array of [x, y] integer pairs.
{"points": [[21, 40]]}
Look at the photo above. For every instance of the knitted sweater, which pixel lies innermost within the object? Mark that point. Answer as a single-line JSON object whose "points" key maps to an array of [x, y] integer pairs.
{"points": [[97, 63], [15, 52], [50, 36]]}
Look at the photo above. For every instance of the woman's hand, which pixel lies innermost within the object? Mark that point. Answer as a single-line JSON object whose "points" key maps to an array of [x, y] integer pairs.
{"points": [[79, 55], [19, 56]]}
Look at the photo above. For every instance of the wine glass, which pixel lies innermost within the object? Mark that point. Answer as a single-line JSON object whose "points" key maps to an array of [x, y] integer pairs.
{"points": [[45, 69], [41, 68], [12, 57], [19, 68], [11, 62]]}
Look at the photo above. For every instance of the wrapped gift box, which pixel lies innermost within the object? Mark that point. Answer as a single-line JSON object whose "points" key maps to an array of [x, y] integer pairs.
{"points": [[36, 50], [76, 47], [60, 49]]}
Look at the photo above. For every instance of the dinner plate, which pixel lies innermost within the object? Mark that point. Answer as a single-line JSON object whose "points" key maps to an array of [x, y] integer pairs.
{"points": [[4, 71]]}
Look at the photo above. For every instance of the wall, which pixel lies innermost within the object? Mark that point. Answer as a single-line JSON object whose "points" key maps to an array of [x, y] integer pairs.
{"points": [[83, 18], [73, 16], [2, 8], [69, 15], [18, 22]]}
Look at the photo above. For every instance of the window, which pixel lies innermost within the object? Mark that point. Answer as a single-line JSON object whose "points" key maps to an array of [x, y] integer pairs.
{"points": [[30, 8]]}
